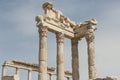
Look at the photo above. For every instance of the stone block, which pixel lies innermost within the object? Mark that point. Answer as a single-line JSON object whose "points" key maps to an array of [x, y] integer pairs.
{"points": [[14, 77]]}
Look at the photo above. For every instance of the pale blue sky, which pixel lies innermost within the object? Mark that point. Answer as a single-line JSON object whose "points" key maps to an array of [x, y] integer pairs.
{"points": [[19, 36]]}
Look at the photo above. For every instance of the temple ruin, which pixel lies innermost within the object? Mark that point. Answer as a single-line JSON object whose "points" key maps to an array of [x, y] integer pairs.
{"points": [[54, 21]]}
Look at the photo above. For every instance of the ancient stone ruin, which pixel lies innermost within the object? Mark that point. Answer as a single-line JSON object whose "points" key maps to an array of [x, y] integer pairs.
{"points": [[55, 22]]}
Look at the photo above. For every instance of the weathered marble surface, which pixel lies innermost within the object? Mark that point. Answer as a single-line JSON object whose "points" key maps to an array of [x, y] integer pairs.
{"points": [[54, 21]]}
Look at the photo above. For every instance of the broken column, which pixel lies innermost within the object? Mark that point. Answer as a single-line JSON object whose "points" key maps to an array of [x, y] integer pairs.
{"points": [[60, 56]]}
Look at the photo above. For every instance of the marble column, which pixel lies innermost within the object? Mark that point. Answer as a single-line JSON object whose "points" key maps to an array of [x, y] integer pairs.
{"points": [[50, 76], [91, 55], [60, 56], [42, 75], [17, 71], [3, 70], [75, 59], [29, 74]]}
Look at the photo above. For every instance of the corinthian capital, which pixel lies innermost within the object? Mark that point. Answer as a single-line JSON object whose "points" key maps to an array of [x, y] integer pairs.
{"points": [[60, 37], [43, 31], [89, 36]]}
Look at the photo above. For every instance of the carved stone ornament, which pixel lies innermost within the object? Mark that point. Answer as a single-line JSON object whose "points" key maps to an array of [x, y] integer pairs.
{"points": [[89, 36], [60, 38], [39, 19], [43, 31], [89, 24], [92, 21], [54, 16], [47, 5]]}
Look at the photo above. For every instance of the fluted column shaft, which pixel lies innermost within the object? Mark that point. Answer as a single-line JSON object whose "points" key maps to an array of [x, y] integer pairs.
{"points": [[60, 56], [91, 55], [75, 60], [42, 75]]}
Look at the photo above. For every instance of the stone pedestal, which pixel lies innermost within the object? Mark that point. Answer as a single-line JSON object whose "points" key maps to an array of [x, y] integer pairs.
{"points": [[42, 75], [60, 56], [91, 55], [75, 60]]}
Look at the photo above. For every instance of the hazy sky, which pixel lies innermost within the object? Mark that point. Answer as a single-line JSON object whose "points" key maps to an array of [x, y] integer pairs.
{"points": [[19, 35]]}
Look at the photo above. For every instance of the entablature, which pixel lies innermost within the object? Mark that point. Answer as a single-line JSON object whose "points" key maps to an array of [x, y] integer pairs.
{"points": [[26, 66], [85, 27], [33, 67], [58, 23], [55, 27]]}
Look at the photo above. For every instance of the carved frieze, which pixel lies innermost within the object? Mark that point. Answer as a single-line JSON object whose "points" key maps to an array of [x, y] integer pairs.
{"points": [[55, 17], [57, 22]]}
